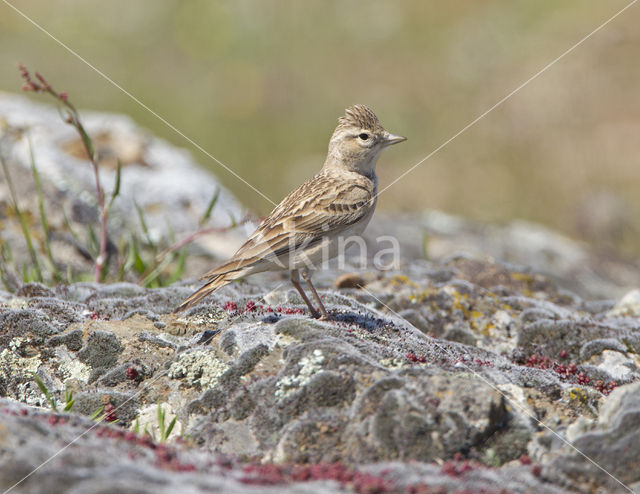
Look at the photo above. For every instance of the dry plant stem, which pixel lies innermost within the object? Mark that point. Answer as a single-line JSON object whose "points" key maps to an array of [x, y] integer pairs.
{"points": [[73, 118]]}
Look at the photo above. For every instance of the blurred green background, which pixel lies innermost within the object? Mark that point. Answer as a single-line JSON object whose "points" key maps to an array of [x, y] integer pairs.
{"points": [[259, 84]]}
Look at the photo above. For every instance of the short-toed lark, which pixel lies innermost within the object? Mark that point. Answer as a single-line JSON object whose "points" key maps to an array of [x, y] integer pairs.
{"points": [[306, 226]]}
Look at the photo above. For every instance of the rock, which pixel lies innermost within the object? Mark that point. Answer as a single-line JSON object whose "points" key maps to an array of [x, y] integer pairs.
{"points": [[597, 347], [30, 323], [72, 340], [198, 367], [460, 333], [580, 268], [628, 306], [109, 459], [607, 455], [34, 290], [617, 365], [416, 319], [100, 352], [249, 377]]}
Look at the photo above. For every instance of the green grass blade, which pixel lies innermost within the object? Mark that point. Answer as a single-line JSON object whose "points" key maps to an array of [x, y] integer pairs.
{"points": [[68, 400], [6, 272], [96, 416], [69, 405], [152, 280], [116, 187], [94, 243], [138, 263], [160, 420], [180, 267], [22, 219], [143, 224], [212, 203], [85, 139], [234, 222], [55, 273], [45, 392], [67, 223], [170, 428]]}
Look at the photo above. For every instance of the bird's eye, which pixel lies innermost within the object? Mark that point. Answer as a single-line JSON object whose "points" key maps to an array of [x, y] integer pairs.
{"points": [[364, 136]]}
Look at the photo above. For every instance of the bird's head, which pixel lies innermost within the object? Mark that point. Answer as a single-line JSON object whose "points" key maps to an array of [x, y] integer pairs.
{"points": [[358, 140]]}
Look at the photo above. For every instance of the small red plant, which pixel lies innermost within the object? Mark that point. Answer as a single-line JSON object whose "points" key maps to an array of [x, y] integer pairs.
{"points": [[230, 306], [605, 388], [110, 413], [525, 460], [569, 371], [132, 373]]}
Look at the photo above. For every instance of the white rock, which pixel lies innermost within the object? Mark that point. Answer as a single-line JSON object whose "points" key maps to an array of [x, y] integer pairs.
{"points": [[629, 305]]}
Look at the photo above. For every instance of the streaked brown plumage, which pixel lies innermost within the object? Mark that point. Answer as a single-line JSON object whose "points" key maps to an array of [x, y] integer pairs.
{"points": [[305, 227]]}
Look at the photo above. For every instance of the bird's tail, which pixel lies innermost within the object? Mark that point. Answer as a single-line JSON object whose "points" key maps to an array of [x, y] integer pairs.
{"points": [[211, 286]]}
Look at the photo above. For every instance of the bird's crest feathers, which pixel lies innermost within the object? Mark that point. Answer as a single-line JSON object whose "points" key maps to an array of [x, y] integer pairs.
{"points": [[360, 116]]}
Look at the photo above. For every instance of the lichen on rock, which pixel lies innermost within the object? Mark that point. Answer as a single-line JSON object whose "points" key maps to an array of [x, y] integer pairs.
{"points": [[199, 367]]}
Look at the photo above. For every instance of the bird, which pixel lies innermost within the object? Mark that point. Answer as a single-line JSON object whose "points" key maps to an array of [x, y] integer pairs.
{"points": [[307, 225]]}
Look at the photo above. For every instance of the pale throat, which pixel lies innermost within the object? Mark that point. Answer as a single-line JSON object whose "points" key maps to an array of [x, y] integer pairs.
{"points": [[364, 166]]}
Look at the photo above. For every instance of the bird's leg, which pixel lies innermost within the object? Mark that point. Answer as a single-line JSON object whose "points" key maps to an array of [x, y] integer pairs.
{"points": [[295, 280], [323, 311]]}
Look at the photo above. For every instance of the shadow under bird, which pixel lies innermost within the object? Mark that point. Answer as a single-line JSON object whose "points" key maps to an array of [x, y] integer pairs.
{"points": [[306, 226]]}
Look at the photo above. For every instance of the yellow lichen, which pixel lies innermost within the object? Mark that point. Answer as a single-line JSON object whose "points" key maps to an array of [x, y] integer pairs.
{"points": [[525, 277], [400, 279], [577, 394], [458, 299], [486, 330], [476, 314]]}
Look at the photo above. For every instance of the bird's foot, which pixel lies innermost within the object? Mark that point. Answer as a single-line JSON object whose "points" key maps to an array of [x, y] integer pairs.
{"points": [[320, 317]]}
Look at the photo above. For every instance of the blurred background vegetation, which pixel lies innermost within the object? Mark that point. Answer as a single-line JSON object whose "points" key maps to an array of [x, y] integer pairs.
{"points": [[259, 84]]}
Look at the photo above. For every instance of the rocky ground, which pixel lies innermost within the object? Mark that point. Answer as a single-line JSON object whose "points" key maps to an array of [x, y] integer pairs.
{"points": [[447, 373], [461, 375]]}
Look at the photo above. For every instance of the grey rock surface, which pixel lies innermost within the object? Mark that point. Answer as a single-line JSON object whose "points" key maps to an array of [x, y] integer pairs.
{"points": [[257, 385], [572, 265], [605, 454]]}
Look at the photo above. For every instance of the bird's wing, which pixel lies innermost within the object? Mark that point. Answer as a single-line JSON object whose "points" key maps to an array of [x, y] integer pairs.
{"points": [[322, 206]]}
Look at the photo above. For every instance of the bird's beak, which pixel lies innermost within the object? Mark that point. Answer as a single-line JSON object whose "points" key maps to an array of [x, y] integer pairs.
{"points": [[390, 139]]}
